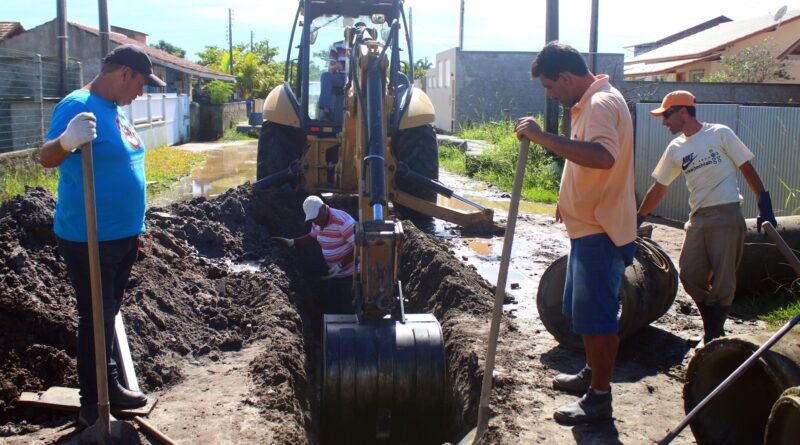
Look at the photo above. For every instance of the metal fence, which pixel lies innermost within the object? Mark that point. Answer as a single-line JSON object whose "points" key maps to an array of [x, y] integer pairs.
{"points": [[29, 90], [771, 133]]}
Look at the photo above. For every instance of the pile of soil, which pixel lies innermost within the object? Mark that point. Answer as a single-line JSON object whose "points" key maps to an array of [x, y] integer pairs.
{"points": [[189, 297], [182, 300]]}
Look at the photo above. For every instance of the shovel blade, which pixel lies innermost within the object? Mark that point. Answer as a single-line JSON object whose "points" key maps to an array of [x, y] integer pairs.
{"points": [[122, 433]]}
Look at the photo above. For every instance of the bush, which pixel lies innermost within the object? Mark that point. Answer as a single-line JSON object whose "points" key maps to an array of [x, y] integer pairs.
{"points": [[219, 92]]}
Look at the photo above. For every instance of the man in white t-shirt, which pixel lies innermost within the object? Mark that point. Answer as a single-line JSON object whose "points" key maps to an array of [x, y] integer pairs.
{"points": [[708, 155]]}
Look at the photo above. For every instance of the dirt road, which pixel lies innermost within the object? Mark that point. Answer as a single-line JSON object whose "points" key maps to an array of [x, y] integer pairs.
{"points": [[223, 326]]}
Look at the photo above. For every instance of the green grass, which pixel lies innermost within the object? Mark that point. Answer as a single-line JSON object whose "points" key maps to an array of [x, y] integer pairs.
{"points": [[498, 164], [165, 165], [232, 135], [774, 308], [28, 173]]}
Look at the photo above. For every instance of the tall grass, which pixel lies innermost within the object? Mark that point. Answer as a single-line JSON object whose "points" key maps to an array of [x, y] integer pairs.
{"points": [[17, 176], [498, 163]]}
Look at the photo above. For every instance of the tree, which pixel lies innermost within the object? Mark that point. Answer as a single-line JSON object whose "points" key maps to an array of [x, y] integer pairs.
{"points": [[756, 64], [421, 66], [170, 48], [255, 71]]}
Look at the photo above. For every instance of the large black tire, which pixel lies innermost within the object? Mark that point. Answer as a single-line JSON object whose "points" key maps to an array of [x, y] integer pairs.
{"points": [[278, 146], [417, 148]]}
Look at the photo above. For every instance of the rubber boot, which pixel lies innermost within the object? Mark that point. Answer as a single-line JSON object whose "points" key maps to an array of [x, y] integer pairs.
{"points": [[714, 318], [120, 397]]}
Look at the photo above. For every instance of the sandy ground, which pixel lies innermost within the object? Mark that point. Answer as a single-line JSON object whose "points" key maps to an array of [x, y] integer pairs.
{"points": [[225, 330]]}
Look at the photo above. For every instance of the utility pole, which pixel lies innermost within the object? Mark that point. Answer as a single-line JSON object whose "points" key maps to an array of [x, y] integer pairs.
{"points": [[103, 6], [230, 40], [593, 38], [551, 33], [63, 46], [461, 28], [251, 41]]}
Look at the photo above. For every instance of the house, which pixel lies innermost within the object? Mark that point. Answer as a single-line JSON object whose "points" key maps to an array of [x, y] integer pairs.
{"points": [[691, 58], [10, 29], [84, 46], [641, 48]]}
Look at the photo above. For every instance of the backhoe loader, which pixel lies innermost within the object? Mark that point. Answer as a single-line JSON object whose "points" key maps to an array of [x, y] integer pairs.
{"points": [[361, 127]]}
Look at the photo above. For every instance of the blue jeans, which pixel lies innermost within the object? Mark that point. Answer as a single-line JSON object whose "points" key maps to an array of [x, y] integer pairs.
{"points": [[116, 261], [595, 268]]}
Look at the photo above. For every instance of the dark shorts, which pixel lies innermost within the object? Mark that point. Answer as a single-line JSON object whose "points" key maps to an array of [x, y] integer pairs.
{"points": [[594, 275]]}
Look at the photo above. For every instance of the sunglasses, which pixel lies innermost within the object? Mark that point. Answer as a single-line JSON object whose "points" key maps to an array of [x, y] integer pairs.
{"points": [[670, 112]]}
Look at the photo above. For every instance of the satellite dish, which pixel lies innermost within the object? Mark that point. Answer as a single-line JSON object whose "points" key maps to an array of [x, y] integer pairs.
{"points": [[781, 12]]}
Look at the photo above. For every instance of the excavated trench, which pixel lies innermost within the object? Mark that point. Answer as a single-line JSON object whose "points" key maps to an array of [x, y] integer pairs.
{"points": [[187, 299]]}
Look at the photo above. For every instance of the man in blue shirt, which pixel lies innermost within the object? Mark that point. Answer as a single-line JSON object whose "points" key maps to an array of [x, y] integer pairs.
{"points": [[93, 114]]}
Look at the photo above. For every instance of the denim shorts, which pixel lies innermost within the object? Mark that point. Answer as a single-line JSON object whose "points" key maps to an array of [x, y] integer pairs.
{"points": [[595, 268]]}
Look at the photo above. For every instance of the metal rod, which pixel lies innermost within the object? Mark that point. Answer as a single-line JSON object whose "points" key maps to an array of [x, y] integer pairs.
{"points": [[63, 46], [551, 109], [782, 246], [161, 437], [103, 8], [593, 38], [230, 40], [500, 293], [728, 381], [461, 28]]}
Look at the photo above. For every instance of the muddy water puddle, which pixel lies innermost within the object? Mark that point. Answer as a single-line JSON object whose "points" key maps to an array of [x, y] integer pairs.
{"points": [[537, 241], [227, 165]]}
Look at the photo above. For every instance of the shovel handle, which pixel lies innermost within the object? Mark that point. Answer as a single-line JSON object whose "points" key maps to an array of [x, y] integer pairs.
{"points": [[500, 292], [784, 248], [95, 279]]}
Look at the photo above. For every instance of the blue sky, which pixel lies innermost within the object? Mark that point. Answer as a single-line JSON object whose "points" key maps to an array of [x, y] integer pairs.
{"points": [[502, 25]]}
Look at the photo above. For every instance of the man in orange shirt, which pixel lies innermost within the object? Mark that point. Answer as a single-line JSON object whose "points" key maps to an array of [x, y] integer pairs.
{"points": [[598, 206]]}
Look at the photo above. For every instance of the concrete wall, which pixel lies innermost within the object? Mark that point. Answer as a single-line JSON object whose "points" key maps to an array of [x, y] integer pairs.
{"points": [[487, 83], [209, 122]]}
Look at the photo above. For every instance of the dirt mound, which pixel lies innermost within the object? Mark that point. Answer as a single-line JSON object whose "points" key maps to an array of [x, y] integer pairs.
{"points": [[184, 299], [210, 280]]}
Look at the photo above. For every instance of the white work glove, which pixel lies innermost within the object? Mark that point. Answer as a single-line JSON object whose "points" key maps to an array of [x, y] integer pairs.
{"points": [[332, 271], [288, 242], [80, 130]]}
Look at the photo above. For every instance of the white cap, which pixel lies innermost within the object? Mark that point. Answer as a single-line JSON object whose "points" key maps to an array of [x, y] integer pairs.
{"points": [[311, 206]]}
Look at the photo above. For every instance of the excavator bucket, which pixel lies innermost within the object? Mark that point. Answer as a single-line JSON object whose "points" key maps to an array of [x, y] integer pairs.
{"points": [[382, 380]]}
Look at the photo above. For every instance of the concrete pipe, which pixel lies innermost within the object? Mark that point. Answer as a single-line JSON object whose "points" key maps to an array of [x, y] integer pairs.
{"points": [[382, 380], [783, 426], [647, 292], [763, 268], [739, 414]]}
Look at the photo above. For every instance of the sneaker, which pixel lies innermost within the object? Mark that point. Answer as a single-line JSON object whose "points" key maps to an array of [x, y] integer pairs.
{"points": [[592, 407], [120, 397], [577, 383]]}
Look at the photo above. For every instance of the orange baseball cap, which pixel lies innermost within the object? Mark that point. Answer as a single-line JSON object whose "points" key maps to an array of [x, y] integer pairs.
{"points": [[678, 98]]}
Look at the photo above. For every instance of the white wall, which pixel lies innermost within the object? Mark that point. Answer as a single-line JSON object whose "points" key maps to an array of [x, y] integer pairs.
{"points": [[161, 119]]}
